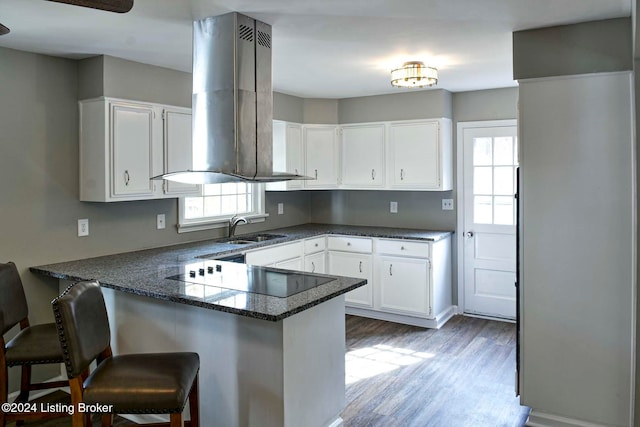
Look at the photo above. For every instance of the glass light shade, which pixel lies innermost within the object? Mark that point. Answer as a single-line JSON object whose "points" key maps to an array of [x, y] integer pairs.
{"points": [[414, 74]]}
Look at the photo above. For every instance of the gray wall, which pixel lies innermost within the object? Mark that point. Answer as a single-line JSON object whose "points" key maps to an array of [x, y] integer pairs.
{"points": [[39, 203], [587, 47], [404, 105]]}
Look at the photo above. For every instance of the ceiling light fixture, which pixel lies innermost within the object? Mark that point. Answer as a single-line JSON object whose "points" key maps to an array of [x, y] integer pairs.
{"points": [[414, 74]]}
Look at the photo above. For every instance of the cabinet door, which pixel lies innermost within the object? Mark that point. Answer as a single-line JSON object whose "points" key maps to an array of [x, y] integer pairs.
{"points": [[354, 265], [290, 264], [287, 154], [178, 149], [131, 150], [321, 156], [363, 155], [315, 263], [415, 155], [404, 285]]}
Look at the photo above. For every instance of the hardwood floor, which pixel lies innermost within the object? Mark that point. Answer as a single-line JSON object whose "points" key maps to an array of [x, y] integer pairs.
{"points": [[461, 375]]}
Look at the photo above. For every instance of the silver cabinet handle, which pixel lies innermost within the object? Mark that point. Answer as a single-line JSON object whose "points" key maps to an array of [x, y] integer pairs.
{"points": [[360, 266], [316, 173], [390, 269], [401, 174], [348, 243], [469, 234], [126, 177], [402, 248], [313, 267], [316, 245], [373, 174]]}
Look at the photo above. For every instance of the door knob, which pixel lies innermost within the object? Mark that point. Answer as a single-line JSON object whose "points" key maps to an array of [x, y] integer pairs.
{"points": [[469, 234]]}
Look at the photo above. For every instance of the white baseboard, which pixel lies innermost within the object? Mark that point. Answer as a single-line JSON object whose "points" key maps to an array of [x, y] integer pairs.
{"points": [[541, 419], [435, 323], [338, 422], [482, 316]]}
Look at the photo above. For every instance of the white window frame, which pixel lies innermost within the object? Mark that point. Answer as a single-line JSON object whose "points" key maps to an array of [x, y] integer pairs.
{"points": [[206, 223]]}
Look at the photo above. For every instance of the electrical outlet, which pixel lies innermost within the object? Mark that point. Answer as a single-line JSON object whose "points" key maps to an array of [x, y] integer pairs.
{"points": [[280, 208], [447, 204], [393, 207], [160, 224], [83, 227]]}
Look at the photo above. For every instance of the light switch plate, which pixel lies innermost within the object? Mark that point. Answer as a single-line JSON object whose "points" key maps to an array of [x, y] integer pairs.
{"points": [[393, 207], [280, 208], [83, 227], [447, 204], [160, 222]]}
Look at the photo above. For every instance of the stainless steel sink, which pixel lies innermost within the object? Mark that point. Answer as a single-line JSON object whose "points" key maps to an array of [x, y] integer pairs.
{"points": [[245, 240], [262, 237], [238, 242]]}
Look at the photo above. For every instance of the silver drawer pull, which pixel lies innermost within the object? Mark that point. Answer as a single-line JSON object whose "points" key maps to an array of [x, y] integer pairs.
{"points": [[313, 267], [401, 174], [348, 243], [316, 245], [373, 174], [402, 248], [360, 266], [390, 269], [126, 177]]}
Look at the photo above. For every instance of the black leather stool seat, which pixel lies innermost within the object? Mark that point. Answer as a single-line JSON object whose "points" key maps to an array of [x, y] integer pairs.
{"points": [[35, 345], [158, 382]]}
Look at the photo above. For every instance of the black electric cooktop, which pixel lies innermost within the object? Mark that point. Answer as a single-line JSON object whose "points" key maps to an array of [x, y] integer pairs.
{"points": [[248, 278]]}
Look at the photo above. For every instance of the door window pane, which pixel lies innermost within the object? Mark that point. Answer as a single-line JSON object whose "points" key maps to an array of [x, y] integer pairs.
{"points": [[482, 210], [503, 151], [482, 151], [503, 210], [503, 180], [482, 180]]}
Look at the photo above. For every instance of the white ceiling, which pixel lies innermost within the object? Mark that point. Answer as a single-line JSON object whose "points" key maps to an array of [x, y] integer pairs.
{"points": [[321, 48]]}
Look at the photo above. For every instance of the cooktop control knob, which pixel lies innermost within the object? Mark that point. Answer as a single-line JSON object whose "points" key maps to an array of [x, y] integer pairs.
{"points": [[210, 270], [192, 273], [218, 268], [201, 271]]}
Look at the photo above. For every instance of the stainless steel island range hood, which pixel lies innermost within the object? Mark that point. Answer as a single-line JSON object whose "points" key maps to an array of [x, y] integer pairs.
{"points": [[232, 103]]}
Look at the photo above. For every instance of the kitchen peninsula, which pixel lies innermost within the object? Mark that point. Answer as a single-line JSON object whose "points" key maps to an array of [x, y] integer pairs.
{"points": [[265, 360]]}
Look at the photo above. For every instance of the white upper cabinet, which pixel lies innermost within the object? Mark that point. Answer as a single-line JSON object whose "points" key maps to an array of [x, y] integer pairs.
{"points": [[420, 155], [321, 156], [132, 150], [402, 155], [178, 148], [363, 155], [125, 143], [287, 154]]}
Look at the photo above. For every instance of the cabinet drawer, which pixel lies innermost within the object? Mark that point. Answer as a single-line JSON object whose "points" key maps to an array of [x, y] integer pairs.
{"points": [[404, 248], [274, 254], [349, 244], [316, 244]]}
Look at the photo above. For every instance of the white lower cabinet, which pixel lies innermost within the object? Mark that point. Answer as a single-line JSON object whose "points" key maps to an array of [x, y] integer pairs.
{"points": [[404, 285], [353, 265], [315, 263], [287, 256], [408, 281], [290, 264]]}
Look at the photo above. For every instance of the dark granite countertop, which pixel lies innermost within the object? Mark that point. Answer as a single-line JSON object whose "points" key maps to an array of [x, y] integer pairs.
{"points": [[145, 272]]}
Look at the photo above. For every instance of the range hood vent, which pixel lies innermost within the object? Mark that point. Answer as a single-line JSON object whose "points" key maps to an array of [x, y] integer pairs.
{"points": [[232, 103]]}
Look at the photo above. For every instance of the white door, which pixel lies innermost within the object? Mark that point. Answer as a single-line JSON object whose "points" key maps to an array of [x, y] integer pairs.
{"points": [[489, 209]]}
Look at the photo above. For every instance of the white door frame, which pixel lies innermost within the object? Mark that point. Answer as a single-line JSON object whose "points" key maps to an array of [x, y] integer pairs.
{"points": [[460, 194]]}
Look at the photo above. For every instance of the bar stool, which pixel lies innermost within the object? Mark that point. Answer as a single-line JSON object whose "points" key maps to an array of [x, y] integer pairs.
{"points": [[150, 383], [33, 345]]}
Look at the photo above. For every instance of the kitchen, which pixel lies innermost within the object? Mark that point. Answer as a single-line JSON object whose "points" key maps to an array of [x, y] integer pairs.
{"points": [[43, 117]]}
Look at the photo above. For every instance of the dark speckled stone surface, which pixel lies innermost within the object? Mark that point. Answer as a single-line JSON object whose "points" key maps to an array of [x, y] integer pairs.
{"points": [[144, 272]]}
